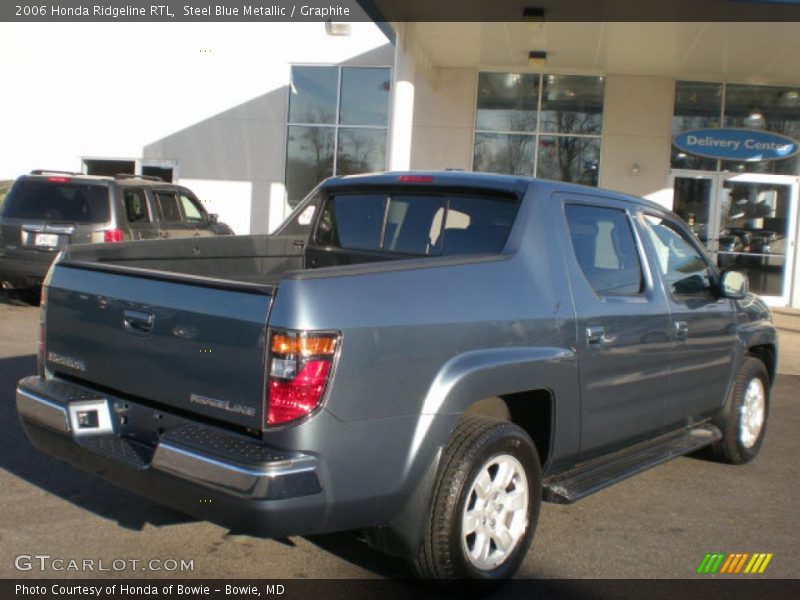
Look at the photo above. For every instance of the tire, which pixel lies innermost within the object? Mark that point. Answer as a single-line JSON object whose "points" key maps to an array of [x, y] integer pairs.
{"points": [[29, 296], [744, 419], [481, 447]]}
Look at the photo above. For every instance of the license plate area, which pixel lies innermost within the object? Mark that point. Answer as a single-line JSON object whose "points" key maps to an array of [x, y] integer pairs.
{"points": [[45, 240], [91, 417]]}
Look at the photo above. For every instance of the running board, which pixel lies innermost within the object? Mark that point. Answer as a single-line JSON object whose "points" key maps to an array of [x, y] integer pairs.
{"points": [[595, 475]]}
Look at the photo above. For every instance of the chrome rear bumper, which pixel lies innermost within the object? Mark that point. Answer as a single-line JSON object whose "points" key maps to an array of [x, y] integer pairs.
{"points": [[209, 457]]}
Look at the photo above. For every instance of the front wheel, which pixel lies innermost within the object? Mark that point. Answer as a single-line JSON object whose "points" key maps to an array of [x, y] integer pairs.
{"points": [[486, 504], [744, 419]]}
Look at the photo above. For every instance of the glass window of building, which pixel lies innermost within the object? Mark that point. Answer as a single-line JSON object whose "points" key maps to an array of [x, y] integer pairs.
{"points": [[338, 123], [698, 105], [544, 125], [768, 108]]}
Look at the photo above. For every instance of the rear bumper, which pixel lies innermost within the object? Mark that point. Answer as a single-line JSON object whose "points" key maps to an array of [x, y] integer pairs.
{"points": [[209, 473], [25, 273]]}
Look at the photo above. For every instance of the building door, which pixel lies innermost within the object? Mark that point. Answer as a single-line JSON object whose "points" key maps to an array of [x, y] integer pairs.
{"points": [[693, 200], [757, 219], [747, 221]]}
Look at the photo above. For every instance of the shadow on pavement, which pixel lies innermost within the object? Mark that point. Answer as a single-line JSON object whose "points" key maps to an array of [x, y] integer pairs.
{"points": [[17, 298], [350, 548], [20, 458]]}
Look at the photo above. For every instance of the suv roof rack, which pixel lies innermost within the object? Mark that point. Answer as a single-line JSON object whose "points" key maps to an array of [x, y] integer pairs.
{"points": [[133, 176], [53, 172]]}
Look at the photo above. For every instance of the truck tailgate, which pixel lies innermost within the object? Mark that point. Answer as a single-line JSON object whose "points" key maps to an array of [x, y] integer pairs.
{"points": [[183, 342]]}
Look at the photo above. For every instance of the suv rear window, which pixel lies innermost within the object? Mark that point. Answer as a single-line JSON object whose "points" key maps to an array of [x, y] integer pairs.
{"points": [[416, 224], [49, 201]]}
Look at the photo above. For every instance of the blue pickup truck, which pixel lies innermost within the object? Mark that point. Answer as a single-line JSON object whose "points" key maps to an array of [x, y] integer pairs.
{"points": [[424, 357]]}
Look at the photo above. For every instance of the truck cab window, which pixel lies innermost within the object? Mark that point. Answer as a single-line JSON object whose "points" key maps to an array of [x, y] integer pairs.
{"points": [[683, 267], [417, 224], [352, 221], [605, 248]]}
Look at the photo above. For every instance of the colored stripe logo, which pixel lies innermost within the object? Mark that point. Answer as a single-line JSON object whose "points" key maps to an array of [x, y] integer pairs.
{"points": [[734, 563]]}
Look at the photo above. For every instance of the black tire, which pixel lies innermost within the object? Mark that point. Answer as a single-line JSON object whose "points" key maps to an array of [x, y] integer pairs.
{"points": [[474, 444], [29, 295], [731, 448]]}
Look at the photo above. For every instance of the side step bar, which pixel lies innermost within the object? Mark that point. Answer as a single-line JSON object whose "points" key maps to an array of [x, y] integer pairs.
{"points": [[595, 475]]}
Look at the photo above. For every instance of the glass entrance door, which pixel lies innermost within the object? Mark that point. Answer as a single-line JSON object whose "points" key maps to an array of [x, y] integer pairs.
{"points": [[756, 231], [747, 221], [693, 201]]}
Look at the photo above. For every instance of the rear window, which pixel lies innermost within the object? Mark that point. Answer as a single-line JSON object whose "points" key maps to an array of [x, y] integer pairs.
{"points": [[416, 224], [49, 201]]}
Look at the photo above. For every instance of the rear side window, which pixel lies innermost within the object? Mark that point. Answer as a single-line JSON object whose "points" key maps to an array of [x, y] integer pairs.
{"points": [[416, 224], [136, 206], [191, 210], [604, 245], [168, 209], [50, 201]]}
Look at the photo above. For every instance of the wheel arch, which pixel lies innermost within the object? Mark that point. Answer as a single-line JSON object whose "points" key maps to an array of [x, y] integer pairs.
{"points": [[516, 384]]}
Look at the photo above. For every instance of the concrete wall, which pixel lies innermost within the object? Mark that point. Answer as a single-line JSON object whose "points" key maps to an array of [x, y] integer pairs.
{"points": [[247, 144], [637, 136], [636, 129], [444, 119]]}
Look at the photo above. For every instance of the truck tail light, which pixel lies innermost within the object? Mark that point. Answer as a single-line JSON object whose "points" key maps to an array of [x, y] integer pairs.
{"points": [[112, 236], [415, 179], [300, 366]]}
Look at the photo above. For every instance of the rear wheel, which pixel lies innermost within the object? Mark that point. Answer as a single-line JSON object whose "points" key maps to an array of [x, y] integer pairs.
{"points": [[486, 504], [744, 418]]}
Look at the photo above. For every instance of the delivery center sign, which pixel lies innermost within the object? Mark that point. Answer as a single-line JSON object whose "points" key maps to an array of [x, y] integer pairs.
{"points": [[730, 143]]}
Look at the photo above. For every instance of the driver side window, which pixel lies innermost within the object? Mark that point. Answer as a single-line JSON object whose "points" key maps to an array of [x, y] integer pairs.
{"points": [[682, 266]]}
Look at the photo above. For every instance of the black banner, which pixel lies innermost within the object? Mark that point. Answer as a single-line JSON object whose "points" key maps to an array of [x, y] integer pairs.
{"points": [[734, 588], [400, 10]]}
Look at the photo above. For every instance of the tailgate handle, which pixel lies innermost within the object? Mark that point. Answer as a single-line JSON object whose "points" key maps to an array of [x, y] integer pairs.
{"points": [[138, 322]]}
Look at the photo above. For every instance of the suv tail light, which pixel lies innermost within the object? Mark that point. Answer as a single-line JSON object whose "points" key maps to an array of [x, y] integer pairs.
{"points": [[300, 366], [42, 348], [112, 236]]}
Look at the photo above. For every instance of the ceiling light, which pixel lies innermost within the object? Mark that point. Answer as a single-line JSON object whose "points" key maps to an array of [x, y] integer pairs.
{"points": [[339, 29], [755, 118], [537, 59], [790, 98], [531, 14]]}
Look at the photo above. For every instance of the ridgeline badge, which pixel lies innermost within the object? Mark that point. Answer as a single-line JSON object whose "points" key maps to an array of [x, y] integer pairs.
{"points": [[730, 143]]}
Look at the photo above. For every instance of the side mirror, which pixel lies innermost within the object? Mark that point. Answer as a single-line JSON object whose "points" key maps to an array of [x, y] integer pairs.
{"points": [[213, 218], [734, 285]]}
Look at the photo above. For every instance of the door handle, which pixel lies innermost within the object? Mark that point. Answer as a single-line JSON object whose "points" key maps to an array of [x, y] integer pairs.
{"points": [[595, 335], [681, 330], [138, 322]]}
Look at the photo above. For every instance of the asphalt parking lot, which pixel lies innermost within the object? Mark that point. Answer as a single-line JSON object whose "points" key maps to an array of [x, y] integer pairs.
{"points": [[657, 525]]}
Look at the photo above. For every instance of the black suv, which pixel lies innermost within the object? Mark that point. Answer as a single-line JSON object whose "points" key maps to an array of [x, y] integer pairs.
{"points": [[46, 210]]}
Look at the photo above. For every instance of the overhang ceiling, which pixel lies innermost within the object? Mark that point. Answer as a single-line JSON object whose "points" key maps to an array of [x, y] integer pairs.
{"points": [[748, 40], [751, 52]]}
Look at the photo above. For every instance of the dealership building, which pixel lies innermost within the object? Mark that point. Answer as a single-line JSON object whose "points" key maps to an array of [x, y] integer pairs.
{"points": [[702, 117]]}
